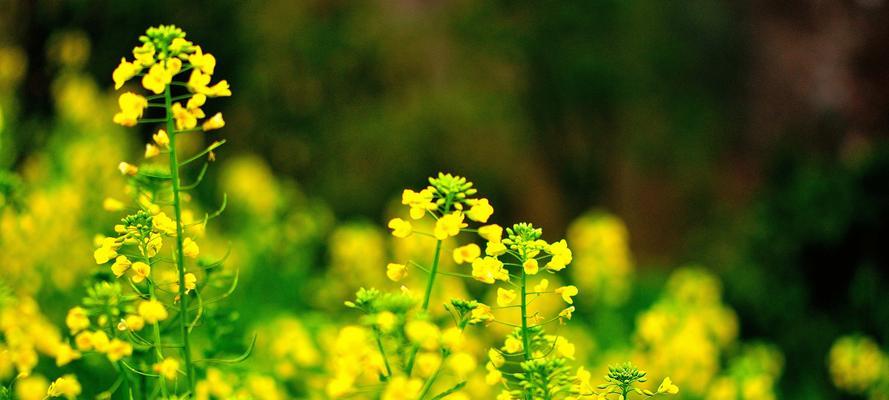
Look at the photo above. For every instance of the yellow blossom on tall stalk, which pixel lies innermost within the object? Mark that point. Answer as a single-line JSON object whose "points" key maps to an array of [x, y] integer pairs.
{"points": [[161, 307]]}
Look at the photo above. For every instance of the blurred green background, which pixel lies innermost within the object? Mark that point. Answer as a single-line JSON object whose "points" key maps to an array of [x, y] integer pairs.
{"points": [[750, 137]]}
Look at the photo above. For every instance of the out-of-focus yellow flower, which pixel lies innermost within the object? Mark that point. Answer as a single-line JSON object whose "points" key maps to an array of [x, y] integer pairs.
{"points": [[667, 386], [112, 204], [190, 248], [401, 388], [512, 345], [118, 349], [567, 313], [505, 296], [151, 150], [65, 354], [126, 168], [400, 228], [541, 286], [467, 253], [77, 320], [31, 388], [152, 311], [856, 363], [132, 323], [396, 272], [423, 333], [168, 368]]}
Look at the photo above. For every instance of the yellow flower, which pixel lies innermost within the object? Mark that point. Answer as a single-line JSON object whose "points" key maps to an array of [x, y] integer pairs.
{"points": [[132, 107], [561, 255], [168, 368], [99, 341], [112, 204], [180, 45], [567, 292], [206, 63], [152, 311], [161, 139], [124, 72], [494, 376], [565, 348], [198, 81], [144, 54], [84, 341], [512, 345], [667, 386], [496, 358], [396, 272], [452, 338], [541, 286], [77, 320], [151, 150], [215, 122], [156, 79], [173, 66], [66, 386], [423, 333], [65, 354], [191, 282], [495, 249], [467, 253], [481, 313], [141, 271], [185, 118], [401, 388], [196, 101], [505, 296], [126, 168], [190, 248], [448, 225], [419, 202], [220, 89], [488, 270], [120, 266], [155, 242], [164, 224], [480, 210], [132, 323], [118, 349], [531, 267], [386, 320], [491, 233], [106, 251], [400, 228], [504, 395], [567, 313]]}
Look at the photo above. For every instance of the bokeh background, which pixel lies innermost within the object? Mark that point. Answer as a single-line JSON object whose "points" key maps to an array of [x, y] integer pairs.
{"points": [[748, 139]]}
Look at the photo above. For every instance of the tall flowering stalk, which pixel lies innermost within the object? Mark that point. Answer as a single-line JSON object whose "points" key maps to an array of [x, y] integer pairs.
{"points": [[134, 328]]}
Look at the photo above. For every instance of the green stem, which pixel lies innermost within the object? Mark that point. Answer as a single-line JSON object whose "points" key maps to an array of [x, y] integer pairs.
{"points": [[180, 262], [430, 282], [383, 353], [526, 342], [429, 382]]}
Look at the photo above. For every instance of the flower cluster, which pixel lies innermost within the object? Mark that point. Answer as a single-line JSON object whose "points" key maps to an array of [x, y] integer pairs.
{"points": [[858, 365], [156, 240]]}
